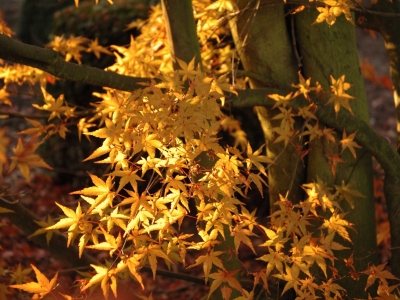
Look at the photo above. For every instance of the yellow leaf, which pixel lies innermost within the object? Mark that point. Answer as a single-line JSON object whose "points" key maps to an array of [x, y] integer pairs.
{"points": [[134, 265], [378, 272], [40, 288], [153, 252], [339, 97], [256, 159], [20, 276], [101, 189], [208, 260], [49, 233], [349, 143], [242, 235], [25, 158], [97, 49], [348, 193], [127, 175], [274, 260], [76, 222], [224, 277]]}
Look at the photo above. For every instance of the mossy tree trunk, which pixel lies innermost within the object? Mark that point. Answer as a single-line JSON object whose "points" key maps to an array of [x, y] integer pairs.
{"points": [[332, 51], [184, 44], [265, 48]]}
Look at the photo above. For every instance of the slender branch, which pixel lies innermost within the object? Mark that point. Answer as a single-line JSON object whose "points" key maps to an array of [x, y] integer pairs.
{"points": [[354, 9], [24, 219], [51, 62], [8, 114]]}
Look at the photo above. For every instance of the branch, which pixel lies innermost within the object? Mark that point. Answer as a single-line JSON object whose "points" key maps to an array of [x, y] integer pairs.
{"points": [[175, 275], [24, 220], [9, 114], [366, 136], [51, 62], [354, 9]]}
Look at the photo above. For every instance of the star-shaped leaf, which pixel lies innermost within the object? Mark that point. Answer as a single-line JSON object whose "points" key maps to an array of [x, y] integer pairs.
{"points": [[40, 288]]}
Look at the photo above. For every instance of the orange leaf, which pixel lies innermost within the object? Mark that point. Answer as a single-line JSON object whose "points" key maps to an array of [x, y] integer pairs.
{"points": [[40, 288]]}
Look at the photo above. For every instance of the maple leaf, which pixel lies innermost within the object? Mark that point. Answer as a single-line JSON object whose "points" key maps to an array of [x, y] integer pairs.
{"points": [[208, 260], [111, 244], [368, 71], [315, 253], [75, 221], [333, 160], [256, 159], [258, 181], [83, 127], [223, 276], [151, 144], [337, 224], [134, 264], [40, 288], [275, 239], [248, 218], [20, 276], [45, 224], [127, 175], [38, 128], [101, 189], [97, 49], [286, 115], [54, 106], [111, 133], [174, 183], [220, 84], [339, 97], [274, 260], [328, 288], [115, 218], [228, 163], [137, 202], [25, 158], [284, 135], [310, 286], [348, 193], [188, 70], [106, 276], [303, 87], [313, 131], [307, 112], [292, 278], [326, 14], [4, 29], [154, 251], [242, 235], [329, 134], [297, 221], [378, 272], [281, 101], [349, 143]]}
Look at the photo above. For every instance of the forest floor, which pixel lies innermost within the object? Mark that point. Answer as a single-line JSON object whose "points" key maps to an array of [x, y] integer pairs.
{"points": [[17, 249]]}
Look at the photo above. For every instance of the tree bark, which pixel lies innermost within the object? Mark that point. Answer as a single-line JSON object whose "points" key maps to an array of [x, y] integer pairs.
{"points": [[255, 31], [332, 51]]}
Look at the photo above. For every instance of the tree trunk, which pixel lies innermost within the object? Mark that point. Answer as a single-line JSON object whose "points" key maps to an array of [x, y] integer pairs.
{"points": [[332, 51], [256, 31]]}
